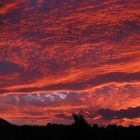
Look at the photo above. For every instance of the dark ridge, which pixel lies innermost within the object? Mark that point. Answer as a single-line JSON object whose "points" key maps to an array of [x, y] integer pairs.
{"points": [[4, 123]]}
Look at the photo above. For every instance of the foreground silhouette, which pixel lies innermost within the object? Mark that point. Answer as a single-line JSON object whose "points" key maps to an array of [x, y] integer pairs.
{"points": [[80, 129]]}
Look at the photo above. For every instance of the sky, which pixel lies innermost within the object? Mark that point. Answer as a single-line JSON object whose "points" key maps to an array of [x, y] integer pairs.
{"points": [[59, 57]]}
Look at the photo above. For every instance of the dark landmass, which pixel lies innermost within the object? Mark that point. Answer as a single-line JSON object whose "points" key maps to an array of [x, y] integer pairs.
{"points": [[80, 129]]}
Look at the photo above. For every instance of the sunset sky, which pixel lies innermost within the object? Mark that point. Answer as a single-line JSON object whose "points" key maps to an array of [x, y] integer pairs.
{"points": [[59, 57]]}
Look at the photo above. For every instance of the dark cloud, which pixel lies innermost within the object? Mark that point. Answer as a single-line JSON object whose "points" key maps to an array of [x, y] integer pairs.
{"points": [[128, 28], [64, 116], [129, 113], [9, 67]]}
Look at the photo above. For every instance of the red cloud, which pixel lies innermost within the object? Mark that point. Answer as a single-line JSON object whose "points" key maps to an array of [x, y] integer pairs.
{"points": [[74, 46]]}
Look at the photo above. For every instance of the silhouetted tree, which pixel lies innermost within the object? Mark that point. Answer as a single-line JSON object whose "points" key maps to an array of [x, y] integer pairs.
{"points": [[80, 121], [95, 126]]}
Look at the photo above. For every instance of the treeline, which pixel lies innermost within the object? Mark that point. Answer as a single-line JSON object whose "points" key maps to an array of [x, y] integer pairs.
{"points": [[80, 129]]}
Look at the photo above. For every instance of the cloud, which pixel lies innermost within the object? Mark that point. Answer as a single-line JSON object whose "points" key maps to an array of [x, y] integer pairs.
{"points": [[57, 56], [64, 116], [129, 113], [118, 77], [40, 105], [9, 67]]}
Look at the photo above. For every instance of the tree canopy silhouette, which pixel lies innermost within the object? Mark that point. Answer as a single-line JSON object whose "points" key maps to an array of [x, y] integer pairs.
{"points": [[80, 129]]}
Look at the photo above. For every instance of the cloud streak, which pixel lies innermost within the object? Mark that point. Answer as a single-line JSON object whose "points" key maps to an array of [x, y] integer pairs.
{"points": [[129, 113]]}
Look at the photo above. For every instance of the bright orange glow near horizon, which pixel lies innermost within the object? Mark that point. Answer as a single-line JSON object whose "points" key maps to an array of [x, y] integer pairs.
{"points": [[59, 57]]}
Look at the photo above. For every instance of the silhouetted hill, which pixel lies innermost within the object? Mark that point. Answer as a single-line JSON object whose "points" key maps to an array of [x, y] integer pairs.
{"points": [[80, 129], [4, 123]]}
